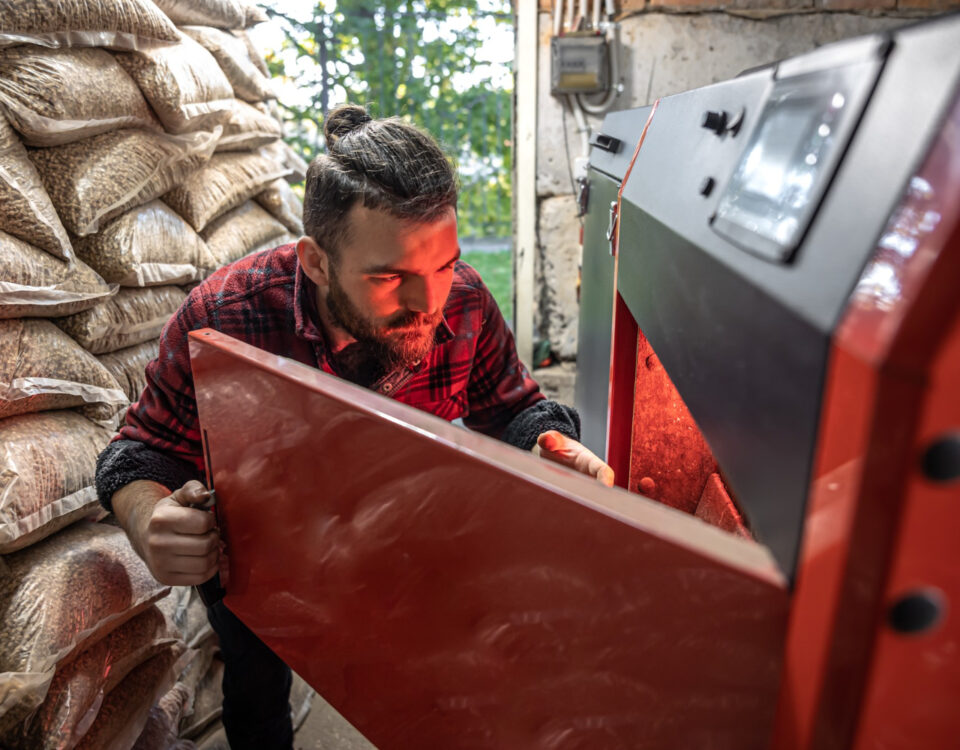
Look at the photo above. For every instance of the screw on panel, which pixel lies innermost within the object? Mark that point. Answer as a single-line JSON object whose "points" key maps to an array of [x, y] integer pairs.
{"points": [[941, 461], [916, 611]]}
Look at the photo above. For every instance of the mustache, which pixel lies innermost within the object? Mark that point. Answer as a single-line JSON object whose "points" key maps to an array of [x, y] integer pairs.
{"points": [[412, 319]]}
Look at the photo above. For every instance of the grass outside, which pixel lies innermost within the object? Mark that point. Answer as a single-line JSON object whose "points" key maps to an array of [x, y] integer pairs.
{"points": [[496, 269]]}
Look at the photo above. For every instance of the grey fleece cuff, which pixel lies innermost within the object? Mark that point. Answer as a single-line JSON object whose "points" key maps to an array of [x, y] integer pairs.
{"points": [[528, 425], [125, 461]]}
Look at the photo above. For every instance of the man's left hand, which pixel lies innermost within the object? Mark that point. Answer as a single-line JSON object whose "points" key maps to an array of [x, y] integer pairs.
{"points": [[556, 446]]}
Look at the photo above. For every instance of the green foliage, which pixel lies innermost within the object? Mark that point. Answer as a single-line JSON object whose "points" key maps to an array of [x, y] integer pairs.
{"points": [[416, 59], [496, 270]]}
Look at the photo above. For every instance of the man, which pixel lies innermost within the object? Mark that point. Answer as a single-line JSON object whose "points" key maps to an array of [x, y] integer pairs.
{"points": [[374, 293]]}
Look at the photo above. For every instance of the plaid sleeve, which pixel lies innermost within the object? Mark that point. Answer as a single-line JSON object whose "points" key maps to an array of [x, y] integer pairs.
{"points": [[500, 387], [165, 417]]}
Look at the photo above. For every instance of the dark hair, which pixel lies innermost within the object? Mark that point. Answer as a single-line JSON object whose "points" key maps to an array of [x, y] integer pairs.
{"points": [[382, 164]]}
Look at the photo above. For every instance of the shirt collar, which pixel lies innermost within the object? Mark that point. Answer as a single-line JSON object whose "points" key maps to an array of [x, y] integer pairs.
{"points": [[307, 317]]}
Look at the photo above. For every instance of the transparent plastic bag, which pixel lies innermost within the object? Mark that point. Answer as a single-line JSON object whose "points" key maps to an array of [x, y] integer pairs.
{"points": [[253, 14], [35, 284], [131, 317], [248, 128], [256, 57], [128, 366], [208, 699], [26, 210], [188, 614], [147, 246], [226, 14], [47, 466], [122, 24], [233, 57], [163, 721], [77, 690], [283, 204], [224, 183], [183, 83], [60, 597], [242, 231], [280, 152], [126, 708], [59, 96], [42, 368], [94, 180], [301, 700]]}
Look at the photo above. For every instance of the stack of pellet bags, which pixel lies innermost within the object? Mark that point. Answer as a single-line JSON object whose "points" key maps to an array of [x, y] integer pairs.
{"points": [[139, 151]]}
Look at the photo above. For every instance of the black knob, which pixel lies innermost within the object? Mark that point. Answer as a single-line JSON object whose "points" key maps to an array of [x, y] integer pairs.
{"points": [[941, 461], [706, 187], [715, 121]]}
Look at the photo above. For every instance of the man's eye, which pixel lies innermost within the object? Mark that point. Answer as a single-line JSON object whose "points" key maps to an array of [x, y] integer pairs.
{"points": [[394, 277]]}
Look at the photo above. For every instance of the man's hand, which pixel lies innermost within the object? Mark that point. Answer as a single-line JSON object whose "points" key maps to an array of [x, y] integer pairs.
{"points": [[178, 542], [567, 451]]}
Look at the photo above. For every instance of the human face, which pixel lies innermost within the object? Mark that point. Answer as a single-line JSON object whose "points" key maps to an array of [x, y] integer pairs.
{"points": [[391, 281]]}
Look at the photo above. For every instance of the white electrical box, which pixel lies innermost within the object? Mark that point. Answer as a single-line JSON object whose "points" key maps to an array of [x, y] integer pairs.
{"points": [[580, 64]]}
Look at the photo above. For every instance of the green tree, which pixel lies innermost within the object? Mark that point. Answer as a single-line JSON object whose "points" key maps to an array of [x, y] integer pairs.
{"points": [[416, 59]]}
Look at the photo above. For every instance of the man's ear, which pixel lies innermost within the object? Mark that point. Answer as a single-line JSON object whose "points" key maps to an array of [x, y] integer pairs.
{"points": [[314, 260]]}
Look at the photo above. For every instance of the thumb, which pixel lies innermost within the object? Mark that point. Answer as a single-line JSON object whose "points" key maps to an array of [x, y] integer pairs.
{"points": [[192, 493]]}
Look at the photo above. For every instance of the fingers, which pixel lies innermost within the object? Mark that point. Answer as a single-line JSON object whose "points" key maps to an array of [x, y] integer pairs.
{"points": [[181, 544], [556, 446]]}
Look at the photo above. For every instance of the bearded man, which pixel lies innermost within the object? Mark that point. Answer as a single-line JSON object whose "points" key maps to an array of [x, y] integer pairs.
{"points": [[374, 293]]}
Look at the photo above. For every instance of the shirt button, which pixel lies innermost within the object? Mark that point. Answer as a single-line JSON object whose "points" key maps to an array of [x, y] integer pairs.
{"points": [[386, 387]]}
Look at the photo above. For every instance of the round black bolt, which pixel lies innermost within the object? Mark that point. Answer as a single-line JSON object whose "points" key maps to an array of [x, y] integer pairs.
{"points": [[706, 187], [941, 461], [916, 611]]}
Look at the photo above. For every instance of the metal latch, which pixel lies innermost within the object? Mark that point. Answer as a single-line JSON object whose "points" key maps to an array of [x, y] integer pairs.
{"points": [[583, 196], [612, 226]]}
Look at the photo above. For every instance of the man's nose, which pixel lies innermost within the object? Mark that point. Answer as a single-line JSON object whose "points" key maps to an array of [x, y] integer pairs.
{"points": [[424, 295]]}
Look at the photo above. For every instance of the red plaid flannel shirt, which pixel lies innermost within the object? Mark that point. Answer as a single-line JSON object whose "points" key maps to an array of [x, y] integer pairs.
{"points": [[267, 301]]}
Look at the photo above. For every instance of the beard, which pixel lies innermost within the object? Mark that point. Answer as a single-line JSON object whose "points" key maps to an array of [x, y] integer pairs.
{"points": [[401, 340]]}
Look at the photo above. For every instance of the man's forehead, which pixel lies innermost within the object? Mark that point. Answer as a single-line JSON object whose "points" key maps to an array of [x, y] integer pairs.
{"points": [[379, 239]]}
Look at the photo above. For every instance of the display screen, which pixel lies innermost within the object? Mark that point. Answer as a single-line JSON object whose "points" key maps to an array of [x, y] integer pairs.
{"points": [[788, 161]]}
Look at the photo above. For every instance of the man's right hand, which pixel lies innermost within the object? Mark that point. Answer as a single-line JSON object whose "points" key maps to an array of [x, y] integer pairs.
{"points": [[178, 542]]}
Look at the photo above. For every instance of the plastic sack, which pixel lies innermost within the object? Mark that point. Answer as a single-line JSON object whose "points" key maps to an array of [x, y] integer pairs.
{"points": [[256, 57], [35, 284], [60, 597], [26, 210], [280, 152], [122, 24], [77, 690], [183, 83], [283, 204], [248, 128], [301, 701], [47, 466], [59, 96], [94, 180], [227, 14], [224, 183], [128, 366], [42, 368], [163, 722], [126, 708], [233, 57], [147, 246], [242, 231], [131, 317], [253, 14], [187, 613], [208, 699]]}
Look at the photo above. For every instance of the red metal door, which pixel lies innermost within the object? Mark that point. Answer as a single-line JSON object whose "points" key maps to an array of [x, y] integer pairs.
{"points": [[445, 590]]}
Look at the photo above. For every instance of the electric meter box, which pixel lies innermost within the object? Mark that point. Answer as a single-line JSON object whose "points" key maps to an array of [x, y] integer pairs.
{"points": [[580, 64]]}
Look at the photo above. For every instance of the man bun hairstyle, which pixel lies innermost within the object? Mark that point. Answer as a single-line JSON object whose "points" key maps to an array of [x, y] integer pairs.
{"points": [[384, 164]]}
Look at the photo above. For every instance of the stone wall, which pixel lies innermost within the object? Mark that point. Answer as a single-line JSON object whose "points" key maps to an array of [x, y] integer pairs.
{"points": [[669, 46]]}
